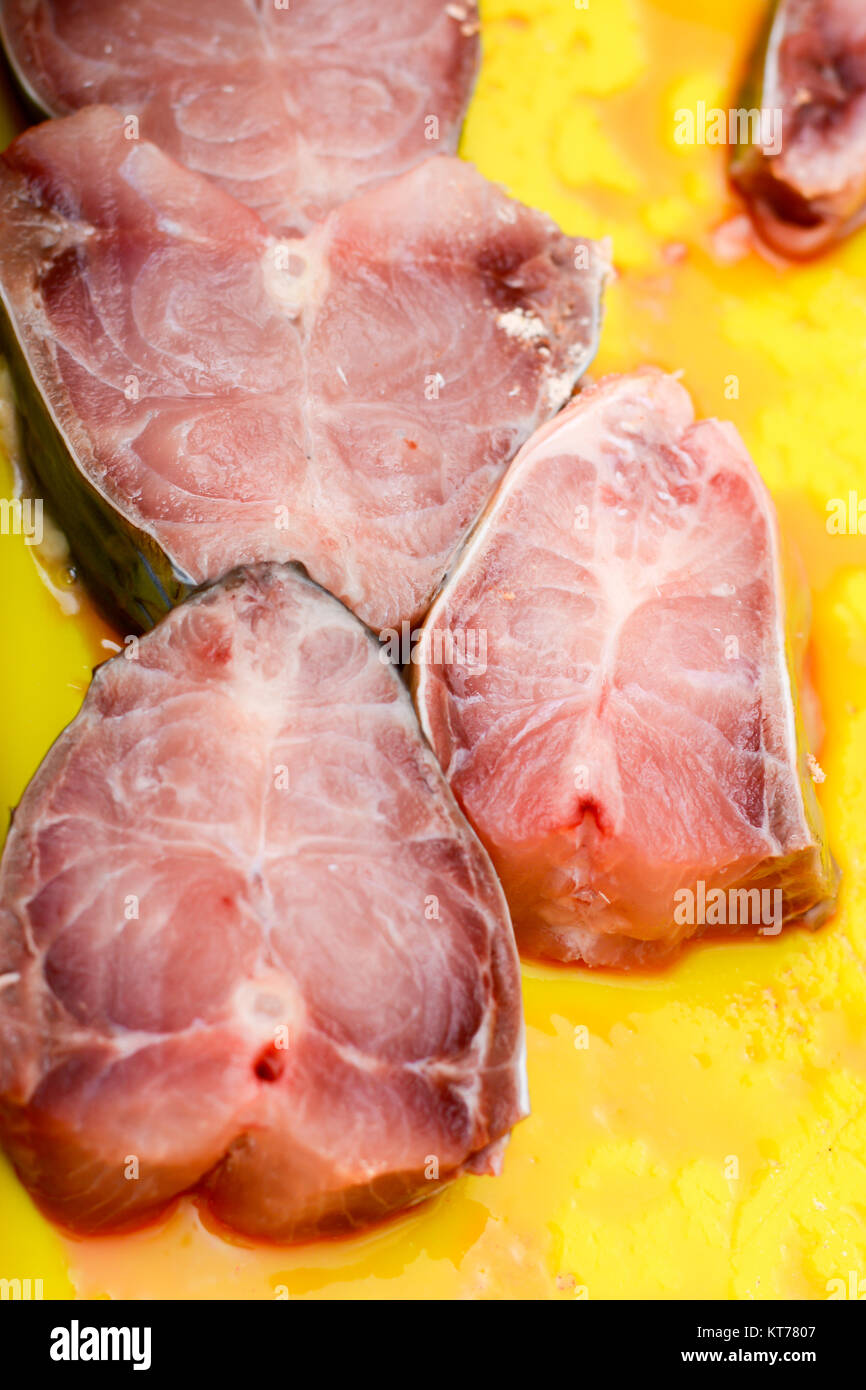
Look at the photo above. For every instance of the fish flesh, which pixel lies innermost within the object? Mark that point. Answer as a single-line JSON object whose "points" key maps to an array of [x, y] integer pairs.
{"points": [[199, 394], [291, 108], [629, 748], [248, 943], [803, 173]]}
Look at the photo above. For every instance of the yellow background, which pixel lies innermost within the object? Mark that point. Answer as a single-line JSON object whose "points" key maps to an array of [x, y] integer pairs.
{"points": [[743, 1059]]}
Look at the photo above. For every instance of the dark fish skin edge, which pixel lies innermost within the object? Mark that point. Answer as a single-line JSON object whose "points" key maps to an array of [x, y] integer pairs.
{"points": [[129, 576], [32, 106]]}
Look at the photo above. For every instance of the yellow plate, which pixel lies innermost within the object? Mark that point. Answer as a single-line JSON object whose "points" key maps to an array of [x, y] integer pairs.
{"points": [[708, 1140]]}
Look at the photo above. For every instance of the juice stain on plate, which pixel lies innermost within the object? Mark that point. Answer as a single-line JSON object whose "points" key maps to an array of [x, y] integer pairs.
{"points": [[697, 1132]]}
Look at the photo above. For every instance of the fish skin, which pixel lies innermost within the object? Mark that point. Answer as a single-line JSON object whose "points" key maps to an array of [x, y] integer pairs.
{"points": [[613, 749], [166, 907], [292, 111], [347, 400], [810, 66]]}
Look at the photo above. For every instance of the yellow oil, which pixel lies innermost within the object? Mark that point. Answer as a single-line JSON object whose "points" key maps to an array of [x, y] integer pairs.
{"points": [[708, 1139]]}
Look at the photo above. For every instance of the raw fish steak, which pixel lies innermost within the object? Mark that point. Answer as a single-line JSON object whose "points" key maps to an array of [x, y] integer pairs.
{"points": [[292, 108], [248, 943], [200, 394], [628, 749], [805, 176]]}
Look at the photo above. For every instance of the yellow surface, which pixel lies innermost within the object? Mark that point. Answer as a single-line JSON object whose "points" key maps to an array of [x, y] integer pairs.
{"points": [[710, 1138]]}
